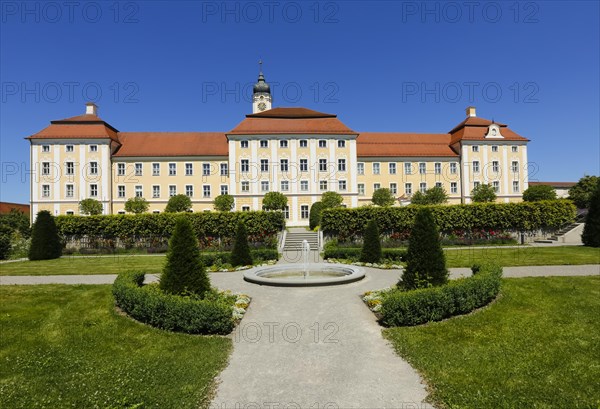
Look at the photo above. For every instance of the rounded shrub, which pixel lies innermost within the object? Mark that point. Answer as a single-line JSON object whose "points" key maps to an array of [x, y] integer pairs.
{"points": [[371, 250], [591, 230], [240, 255], [45, 243], [5, 239], [315, 214]]}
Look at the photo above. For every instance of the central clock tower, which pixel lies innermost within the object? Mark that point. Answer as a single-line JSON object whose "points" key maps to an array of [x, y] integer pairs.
{"points": [[261, 96]]}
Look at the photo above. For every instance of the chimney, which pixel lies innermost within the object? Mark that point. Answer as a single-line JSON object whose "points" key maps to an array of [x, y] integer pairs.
{"points": [[91, 109], [471, 111]]}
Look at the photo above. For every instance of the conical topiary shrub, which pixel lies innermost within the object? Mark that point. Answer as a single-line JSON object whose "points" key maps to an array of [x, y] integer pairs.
{"points": [[240, 255], [591, 230], [45, 243], [371, 249], [184, 271], [425, 260]]}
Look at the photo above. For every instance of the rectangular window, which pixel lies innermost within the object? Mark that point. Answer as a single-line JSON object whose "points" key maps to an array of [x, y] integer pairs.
{"points": [[70, 190], [322, 185], [139, 191], [475, 148], [342, 185], [206, 169], [437, 168], [361, 189], [341, 144], [422, 187], [494, 148], [422, 168], [408, 168], [224, 169], [121, 192], [264, 165], [515, 166], [45, 148], [495, 166], [304, 211], [304, 185], [515, 149], [303, 143], [172, 169], [245, 165], [360, 168], [515, 186], [438, 184], [453, 168], [45, 168], [45, 190], [283, 164], [476, 184], [285, 185], [286, 212], [264, 143], [322, 143], [303, 165], [341, 165], [376, 168], [245, 208], [283, 143], [189, 169], [496, 186], [156, 169], [94, 168], [189, 190], [155, 191], [408, 188], [94, 190], [264, 185], [224, 189], [475, 166], [392, 168], [70, 213], [453, 187], [394, 188], [322, 165], [93, 148], [244, 144], [120, 169], [376, 186], [138, 169], [172, 190], [69, 148], [245, 186], [206, 191]]}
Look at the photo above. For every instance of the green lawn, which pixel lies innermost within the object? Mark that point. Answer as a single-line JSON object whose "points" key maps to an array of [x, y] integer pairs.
{"points": [[524, 256], [65, 346], [538, 346]]}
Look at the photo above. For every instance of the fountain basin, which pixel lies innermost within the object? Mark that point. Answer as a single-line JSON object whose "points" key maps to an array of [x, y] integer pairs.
{"points": [[292, 275]]}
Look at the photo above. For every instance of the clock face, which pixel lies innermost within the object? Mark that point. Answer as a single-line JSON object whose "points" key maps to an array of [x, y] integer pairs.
{"points": [[262, 106]]}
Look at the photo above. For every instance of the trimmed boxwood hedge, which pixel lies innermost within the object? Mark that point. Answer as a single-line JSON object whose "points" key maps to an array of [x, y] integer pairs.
{"points": [[346, 223], [149, 305], [405, 308], [210, 257], [354, 253]]}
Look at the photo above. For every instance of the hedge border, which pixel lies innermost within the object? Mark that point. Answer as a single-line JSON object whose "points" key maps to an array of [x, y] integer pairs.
{"points": [[354, 253], [170, 312], [458, 297]]}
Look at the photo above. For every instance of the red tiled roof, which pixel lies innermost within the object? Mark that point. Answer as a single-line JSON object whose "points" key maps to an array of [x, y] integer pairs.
{"points": [[145, 144], [474, 129], [554, 184], [82, 126], [291, 121], [403, 144], [5, 207]]}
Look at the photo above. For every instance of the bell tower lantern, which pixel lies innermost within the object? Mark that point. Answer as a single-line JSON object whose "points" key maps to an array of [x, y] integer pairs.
{"points": [[261, 95]]}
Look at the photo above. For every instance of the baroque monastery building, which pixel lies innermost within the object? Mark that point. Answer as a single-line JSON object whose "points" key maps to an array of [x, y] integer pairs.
{"points": [[296, 151]]}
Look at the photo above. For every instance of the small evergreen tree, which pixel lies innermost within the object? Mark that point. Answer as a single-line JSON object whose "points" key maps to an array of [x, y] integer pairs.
{"points": [[371, 249], [274, 201], [5, 239], [224, 203], [179, 203], [591, 230], [90, 207], [45, 243], [425, 261], [383, 197], [184, 272], [136, 205], [315, 214], [240, 255], [539, 192], [483, 193]]}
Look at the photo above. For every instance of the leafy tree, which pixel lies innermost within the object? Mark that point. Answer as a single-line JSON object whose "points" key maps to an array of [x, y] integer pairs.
{"points": [[90, 207], [591, 230], [45, 243], [5, 238], [16, 220], [433, 196], [184, 272], [483, 193], [418, 198], [581, 192], [539, 192], [178, 203], [224, 203], [240, 255], [331, 200], [274, 201], [425, 260], [315, 214], [383, 197], [136, 205], [371, 249]]}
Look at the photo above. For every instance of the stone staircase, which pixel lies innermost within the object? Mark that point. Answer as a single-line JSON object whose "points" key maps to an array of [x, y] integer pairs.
{"points": [[294, 238], [559, 235]]}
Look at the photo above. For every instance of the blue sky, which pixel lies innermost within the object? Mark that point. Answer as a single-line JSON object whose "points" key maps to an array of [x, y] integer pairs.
{"points": [[401, 66]]}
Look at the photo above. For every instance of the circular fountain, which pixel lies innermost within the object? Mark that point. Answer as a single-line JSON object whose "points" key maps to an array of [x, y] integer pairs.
{"points": [[304, 274]]}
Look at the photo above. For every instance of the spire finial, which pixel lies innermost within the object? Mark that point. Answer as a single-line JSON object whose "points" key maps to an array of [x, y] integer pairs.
{"points": [[260, 62]]}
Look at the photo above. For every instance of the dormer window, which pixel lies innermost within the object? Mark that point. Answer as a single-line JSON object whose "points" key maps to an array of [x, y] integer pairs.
{"points": [[493, 131]]}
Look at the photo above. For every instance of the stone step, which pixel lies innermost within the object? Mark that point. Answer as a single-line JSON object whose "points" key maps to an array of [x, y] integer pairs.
{"points": [[544, 241]]}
